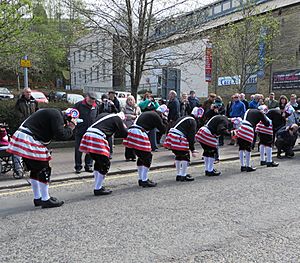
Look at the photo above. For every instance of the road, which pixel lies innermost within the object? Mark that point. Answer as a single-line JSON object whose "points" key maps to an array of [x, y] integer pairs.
{"points": [[237, 217]]}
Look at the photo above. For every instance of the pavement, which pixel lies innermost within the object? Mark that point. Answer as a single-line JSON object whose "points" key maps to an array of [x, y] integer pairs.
{"points": [[63, 163], [236, 217]]}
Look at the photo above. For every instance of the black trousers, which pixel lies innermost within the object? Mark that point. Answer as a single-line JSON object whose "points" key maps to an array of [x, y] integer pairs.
{"points": [[209, 151], [35, 167], [244, 145], [102, 163], [265, 139], [144, 158], [129, 153], [182, 155]]}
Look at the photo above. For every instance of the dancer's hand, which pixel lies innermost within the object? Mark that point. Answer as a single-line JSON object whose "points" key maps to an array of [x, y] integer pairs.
{"points": [[195, 153]]}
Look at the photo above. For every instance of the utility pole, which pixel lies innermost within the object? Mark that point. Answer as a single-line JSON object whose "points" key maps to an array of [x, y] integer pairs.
{"points": [[26, 75]]}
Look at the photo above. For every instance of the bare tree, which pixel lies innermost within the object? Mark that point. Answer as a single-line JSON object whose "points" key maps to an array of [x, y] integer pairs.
{"points": [[136, 26]]}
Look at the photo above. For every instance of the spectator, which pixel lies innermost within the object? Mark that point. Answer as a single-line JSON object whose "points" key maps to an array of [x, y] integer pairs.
{"points": [[238, 108], [254, 103], [193, 100], [149, 104], [229, 106], [107, 105], [243, 99], [283, 100], [174, 108], [271, 102], [26, 105], [131, 111], [88, 110], [294, 103], [185, 107], [114, 99], [210, 100], [286, 139], [261, 101]]}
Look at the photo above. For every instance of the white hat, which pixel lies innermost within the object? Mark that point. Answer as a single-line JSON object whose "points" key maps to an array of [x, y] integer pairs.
{"points": [[263, 108], [163, 109], [198, 112]]}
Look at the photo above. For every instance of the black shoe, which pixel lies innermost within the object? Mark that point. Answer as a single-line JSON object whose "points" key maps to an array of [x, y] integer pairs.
{"points": [[272, 164], [178, 178], [127, 160], [212, 173], [51, 202], [148, 183], [89, 169], [186, 178], [37, 202], [77, 171], [102, 191], [140, 182], [263, 163], [133, 159], [279, 156], [250, 169], [243, 168]]}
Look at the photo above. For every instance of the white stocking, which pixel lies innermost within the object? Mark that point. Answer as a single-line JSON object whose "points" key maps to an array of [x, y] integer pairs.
{"points": [[178, 167], [210, 164], [144, 173], [262, 152], [206, 162], [269, 154], [248, 156], [184, 166], [242, 158], [99, 178], [139, 168], [35, 188], [44, 188]]}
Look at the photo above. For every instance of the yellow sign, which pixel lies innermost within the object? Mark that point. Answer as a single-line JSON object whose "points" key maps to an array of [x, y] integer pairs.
{"points": [[25, 63]]}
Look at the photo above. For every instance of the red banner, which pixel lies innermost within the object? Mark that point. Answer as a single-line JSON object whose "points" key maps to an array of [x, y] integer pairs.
{"points": [[208, 62]]}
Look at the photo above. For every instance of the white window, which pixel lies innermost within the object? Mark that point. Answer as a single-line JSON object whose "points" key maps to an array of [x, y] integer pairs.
{"points": [[209, 11], [217, 9], [226, 5], [236, 3]]}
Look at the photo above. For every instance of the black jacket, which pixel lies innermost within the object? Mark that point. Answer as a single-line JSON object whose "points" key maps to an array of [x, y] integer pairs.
{"points": [[110, 126], [254, 116], [48, 123], [26, 107], [174, 109], [150, 120], [277, 119], [218, 125], [188, 128], [88, 114]]}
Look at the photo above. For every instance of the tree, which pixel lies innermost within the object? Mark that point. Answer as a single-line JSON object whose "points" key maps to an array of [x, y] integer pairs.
{"points": [[243, 48], [131, 26]]}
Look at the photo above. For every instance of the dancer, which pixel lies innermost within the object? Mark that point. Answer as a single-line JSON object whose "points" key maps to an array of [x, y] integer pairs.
{"points": [[207, 136], [94, 142], [30, 141], [265, 135], [245, 136], [181, 140], [138, 140]]}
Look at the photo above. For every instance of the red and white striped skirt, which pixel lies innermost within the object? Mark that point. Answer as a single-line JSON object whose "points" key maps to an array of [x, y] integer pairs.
{"points": [[24, 145], [261, 128], [246, 132], [94, 141], [137, 139], [205, 136], [176, 140]]}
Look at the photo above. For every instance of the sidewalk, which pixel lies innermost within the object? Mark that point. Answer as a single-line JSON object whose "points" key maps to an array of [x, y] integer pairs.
{"points": [[63, 164]]}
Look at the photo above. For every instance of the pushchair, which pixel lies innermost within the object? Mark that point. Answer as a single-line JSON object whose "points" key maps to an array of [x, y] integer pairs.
{"points": [[9, 162]]}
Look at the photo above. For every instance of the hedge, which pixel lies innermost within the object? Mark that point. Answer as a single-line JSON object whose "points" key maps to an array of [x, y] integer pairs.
{"points": [[10, 116]]}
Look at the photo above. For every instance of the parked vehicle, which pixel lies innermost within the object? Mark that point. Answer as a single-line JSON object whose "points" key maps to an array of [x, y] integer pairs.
{"points": [[39, 96], [5, 94], [72, 98], [122, 97], [56, 95]]}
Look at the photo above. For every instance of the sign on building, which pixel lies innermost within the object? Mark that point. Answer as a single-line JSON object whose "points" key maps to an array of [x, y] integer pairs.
{"points": [[228, 81], [286, 79]]}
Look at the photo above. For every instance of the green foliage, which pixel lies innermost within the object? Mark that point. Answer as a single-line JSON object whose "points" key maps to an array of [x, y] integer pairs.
{"points": [[236, 45]]}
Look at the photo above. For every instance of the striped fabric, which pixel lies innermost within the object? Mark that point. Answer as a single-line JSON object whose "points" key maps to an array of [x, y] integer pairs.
{"points": [[246, 132], [24, 145], [94, 141], [204, 136], [137, 139], [176, 140], [261, 128]]}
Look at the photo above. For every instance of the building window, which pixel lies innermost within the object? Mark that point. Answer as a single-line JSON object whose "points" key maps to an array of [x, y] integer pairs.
{"points": [[226, 5], [91, 50], [209, 11], [236, 3], [91, 74], [75, 79], [98, 73], [84, 55], [79, 55], [103, 71], [217, 9], [74, 57], [84, 75]]}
